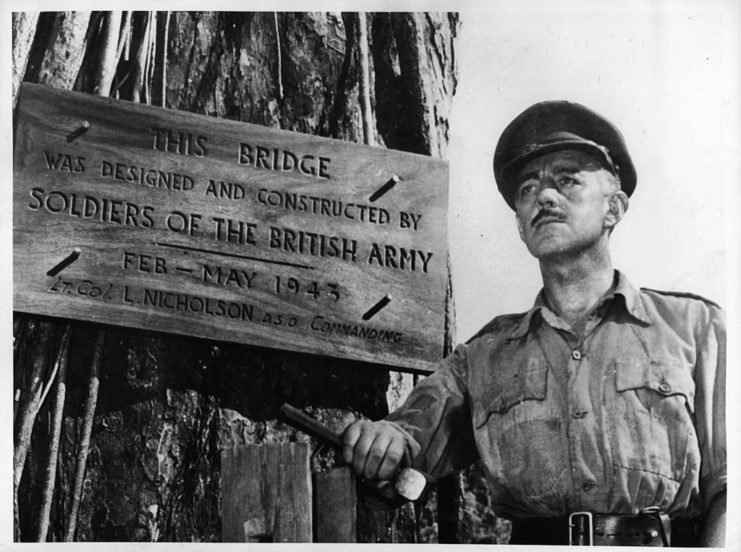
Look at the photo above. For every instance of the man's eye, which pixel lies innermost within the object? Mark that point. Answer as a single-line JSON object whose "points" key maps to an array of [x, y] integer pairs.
{"points": [[566, 181], [527, 190]]}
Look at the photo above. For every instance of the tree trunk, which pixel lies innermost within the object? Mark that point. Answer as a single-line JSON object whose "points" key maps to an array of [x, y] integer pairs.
{"points": [[24, 29], [60, 47], [169, 405]]}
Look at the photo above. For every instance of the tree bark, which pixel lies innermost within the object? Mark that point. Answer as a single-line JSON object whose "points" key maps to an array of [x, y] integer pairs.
{"points": [[65, 49], [416, 76], [24, 28]]}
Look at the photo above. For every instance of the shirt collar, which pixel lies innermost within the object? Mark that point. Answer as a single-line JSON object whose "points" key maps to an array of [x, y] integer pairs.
{"points": [[632, 297], [623, 288]]}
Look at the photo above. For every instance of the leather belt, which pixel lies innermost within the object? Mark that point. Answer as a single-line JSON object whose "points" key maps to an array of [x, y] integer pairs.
{"points": [[585, 528]]}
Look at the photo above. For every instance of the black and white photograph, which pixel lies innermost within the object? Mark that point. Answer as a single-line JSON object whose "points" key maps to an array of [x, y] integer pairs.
{"points": [[410, 273]]}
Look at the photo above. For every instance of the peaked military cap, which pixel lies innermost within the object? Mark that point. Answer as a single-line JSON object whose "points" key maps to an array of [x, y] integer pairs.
{"points": [[558, 125]]}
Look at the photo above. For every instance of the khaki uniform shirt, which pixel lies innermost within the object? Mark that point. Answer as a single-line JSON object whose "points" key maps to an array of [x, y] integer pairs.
{"points": [[627, 416]]}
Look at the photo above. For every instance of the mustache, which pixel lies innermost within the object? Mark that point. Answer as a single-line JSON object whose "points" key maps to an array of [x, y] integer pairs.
{"points": [[548, 213]]}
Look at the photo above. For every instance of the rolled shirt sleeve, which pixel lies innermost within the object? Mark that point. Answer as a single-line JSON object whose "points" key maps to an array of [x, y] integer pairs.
{"points": [[710, 406], [436, 419]]}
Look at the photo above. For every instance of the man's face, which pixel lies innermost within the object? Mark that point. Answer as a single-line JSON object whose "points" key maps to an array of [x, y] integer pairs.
{"points": [[565, 204]]}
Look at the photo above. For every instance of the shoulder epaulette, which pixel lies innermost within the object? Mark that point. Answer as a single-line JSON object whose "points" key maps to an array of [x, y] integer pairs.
{"points": [[497, 324], [683, 294]]}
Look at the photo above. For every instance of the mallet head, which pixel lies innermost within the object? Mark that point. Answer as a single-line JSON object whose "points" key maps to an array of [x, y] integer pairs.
{"points": [[410, 484]]}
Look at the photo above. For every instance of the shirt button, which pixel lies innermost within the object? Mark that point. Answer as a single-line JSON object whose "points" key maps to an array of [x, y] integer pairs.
{"points": [[588, 486], [665, 387], [576, 355]]}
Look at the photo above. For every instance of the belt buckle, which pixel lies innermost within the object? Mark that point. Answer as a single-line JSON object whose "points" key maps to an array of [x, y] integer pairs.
{"points": [[590, 527]]}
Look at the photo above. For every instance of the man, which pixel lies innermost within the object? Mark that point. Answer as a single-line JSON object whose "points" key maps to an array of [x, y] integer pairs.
{"points": [[598, 414]]}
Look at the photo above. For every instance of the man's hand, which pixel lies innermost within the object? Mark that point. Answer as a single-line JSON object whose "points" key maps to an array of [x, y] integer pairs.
{"points": [[375, 450]]}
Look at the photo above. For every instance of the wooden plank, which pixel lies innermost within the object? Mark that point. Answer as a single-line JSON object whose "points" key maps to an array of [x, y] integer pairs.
{"points": [[158, 219], [266, 493], [336, 505]]}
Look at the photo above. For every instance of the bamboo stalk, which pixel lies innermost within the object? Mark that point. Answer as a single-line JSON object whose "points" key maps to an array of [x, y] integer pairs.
{"points": [[123, 40], [163, 90], [28, 400], [365, 103], [107, 65], [87, 428], [140, 64], [280, 62], [123, 36], [18, 324], [129, 38], [56, 431], [19, 329], [27, 409], [149, 67]]}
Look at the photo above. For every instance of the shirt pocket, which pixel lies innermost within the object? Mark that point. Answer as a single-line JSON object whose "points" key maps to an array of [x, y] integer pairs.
{"points": [[654, 381], [520, 435], [528, 383], [652, 416]]}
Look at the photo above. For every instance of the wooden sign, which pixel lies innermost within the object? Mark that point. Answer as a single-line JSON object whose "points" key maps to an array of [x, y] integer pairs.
{"points": [[159, 219]]}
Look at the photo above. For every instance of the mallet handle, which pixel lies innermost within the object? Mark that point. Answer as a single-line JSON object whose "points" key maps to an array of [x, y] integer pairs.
{"points": [[310, 426]]}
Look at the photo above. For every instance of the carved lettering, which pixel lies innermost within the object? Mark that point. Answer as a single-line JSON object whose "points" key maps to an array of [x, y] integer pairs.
{"points": [[321, 325], [409, 220], [83, 288], [151, 264], [292, 286], [279, 320], [234, 231], [128, 300], [275, 159], [400, 258], [93, 208], [291, 201], [224, 190], [183, 223], [144, 176], [196, 304], [227, 276], [311, 243], [179, 141], [64, 162]]}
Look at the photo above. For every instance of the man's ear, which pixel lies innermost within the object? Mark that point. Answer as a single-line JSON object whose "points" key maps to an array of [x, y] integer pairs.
{"points": [[617, 206]]}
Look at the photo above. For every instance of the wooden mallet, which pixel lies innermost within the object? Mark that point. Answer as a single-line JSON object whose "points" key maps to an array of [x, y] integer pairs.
{"points": [[409, 483]]}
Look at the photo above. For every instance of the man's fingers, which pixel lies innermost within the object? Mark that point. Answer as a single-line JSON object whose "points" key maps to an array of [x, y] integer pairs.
{"points": [[376, 455], [349, 437], [362, 448], [392, 458], [374, 449]]}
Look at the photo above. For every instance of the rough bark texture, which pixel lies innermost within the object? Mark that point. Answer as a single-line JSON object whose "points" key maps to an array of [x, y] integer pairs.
{"points": [[24, 29], [415, 79], [169, 405], [61, 47]]}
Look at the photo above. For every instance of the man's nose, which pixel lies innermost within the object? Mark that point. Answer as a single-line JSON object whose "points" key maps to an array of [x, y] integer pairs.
{"points": [[548, 194]]}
